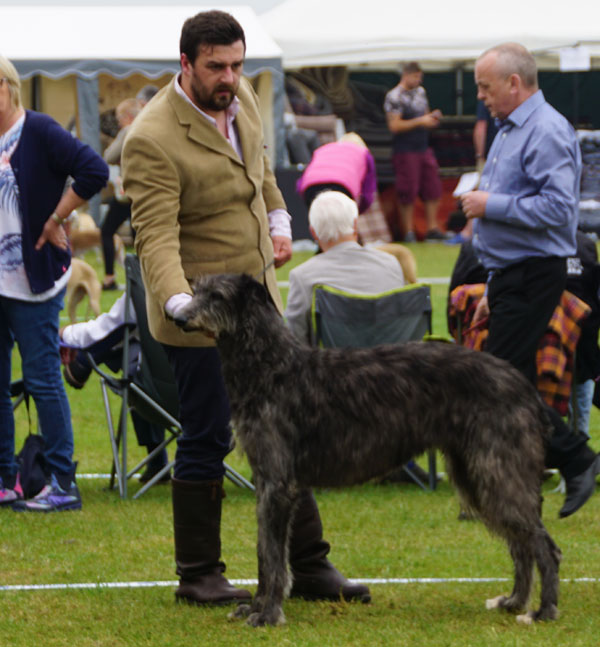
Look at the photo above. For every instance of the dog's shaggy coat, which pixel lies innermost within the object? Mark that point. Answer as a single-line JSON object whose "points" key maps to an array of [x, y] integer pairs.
{"points": [[315, 417]]}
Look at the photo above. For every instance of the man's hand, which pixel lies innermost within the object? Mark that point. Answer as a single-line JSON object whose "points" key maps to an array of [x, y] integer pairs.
{"points": [[176, 303], [482, 311], [473, 203], [282, 249], [54, 233], [431, 119]]}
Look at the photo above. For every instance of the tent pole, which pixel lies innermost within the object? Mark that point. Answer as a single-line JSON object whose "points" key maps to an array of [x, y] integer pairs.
{"points": [[459, 91], [36, 93], [575, 99], [89, 126]]}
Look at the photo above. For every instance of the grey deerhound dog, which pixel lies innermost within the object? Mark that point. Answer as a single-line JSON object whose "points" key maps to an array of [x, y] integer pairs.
{"points": [[334, 417]]}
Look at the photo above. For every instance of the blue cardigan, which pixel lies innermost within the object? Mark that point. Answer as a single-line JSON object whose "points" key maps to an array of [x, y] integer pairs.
{"points": [[45, 157]]}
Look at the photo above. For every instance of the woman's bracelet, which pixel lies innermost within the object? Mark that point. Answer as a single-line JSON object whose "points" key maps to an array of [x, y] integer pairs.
{"points": [[58, 219]]}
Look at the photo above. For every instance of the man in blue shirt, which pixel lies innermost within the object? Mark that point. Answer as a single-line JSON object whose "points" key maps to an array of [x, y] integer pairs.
{"points": [[525, 219]]}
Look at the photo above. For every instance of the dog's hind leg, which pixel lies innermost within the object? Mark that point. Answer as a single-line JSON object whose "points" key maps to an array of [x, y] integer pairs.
{"points": [[274, 511], [76, 296], [523, 559], [497, 496], [547, 556], [94, 299]]}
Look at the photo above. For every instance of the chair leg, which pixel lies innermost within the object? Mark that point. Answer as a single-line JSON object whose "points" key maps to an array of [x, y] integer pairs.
{"points": [[115, 442], [432, 470], [237, 479]]}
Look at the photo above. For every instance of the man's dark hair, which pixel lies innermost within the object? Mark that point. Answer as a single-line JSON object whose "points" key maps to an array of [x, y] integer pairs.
{"points": [[411, 67], [209, 28]]}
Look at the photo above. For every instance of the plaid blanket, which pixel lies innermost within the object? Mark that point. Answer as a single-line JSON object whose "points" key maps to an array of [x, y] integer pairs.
{"points": [[372, 226], [556, 353], [463, 302]]}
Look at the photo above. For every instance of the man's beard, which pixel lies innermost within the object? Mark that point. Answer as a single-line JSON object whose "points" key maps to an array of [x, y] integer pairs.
{"points": [[214, 102]]}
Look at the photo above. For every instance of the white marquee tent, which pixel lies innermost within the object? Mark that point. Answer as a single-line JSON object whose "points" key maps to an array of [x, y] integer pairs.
{"points": [[438, 33], [57, 41]]}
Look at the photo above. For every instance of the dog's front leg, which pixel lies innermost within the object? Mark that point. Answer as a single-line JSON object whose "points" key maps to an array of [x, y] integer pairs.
{"points": [[274, 511]]}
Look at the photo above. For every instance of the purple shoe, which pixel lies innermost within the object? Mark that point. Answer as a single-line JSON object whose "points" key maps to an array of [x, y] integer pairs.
{"points": [[9, 496], [52, 498]]}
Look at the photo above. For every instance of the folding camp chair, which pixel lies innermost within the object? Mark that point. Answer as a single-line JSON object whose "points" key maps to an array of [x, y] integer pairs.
{"points": [[345, 320], [150, 390], [17, 392]]}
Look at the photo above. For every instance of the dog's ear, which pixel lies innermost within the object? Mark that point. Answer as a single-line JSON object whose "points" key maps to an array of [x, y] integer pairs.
{"points": [[253, 289]]}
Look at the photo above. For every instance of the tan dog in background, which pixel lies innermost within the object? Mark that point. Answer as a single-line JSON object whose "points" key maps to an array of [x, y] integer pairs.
{"points": [[85, 234], [83, 281]]}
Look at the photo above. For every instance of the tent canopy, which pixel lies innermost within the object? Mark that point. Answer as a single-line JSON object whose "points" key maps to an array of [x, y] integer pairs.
{"points": [[439, 34], [56, 41]]}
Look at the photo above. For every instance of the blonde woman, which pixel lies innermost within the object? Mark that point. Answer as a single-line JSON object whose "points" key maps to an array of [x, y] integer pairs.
{"points": [[36, 158], [346, 166]]}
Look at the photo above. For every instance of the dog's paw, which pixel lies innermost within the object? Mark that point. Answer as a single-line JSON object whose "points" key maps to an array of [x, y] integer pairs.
{"points": [[542, 615], [526, 618], [240, 612], [495, 603], [262, 619]]}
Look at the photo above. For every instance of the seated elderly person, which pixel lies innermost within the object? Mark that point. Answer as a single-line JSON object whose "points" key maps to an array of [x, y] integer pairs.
{"points": [[344, 264]]}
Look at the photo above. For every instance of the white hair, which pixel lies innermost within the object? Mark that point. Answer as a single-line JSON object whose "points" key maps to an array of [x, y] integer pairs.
{"points": [[332, 214], [514, 58]]}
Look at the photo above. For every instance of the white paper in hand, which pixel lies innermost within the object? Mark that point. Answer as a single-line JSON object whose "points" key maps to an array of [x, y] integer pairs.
{"points": [[467, 182]]}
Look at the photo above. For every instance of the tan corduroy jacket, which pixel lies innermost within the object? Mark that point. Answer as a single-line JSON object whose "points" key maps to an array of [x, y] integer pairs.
{"points": [[196, 207]]}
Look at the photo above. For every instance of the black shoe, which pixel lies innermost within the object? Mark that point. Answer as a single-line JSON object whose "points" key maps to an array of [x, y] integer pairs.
{"points": [[579, 489], [110, 286], [76, 373], [320, 580], [434, 236]]}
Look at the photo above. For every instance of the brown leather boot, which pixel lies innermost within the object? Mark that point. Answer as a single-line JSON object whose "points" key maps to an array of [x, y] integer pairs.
{"points": [[315, 577], [197, 525]]}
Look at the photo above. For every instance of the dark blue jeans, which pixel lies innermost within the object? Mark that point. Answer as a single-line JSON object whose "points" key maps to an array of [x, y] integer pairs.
{"points": [[203, 412], [34, 326]]}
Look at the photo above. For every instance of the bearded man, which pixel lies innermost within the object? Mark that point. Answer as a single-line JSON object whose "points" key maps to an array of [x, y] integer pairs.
{"points": [[205, 201]]}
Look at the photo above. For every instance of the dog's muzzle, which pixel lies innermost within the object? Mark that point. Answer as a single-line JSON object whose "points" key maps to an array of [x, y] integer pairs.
{"points": [[183, 324]]}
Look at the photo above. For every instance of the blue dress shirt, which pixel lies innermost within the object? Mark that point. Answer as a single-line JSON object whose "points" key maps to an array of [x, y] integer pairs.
{"points": [[532, 173]]}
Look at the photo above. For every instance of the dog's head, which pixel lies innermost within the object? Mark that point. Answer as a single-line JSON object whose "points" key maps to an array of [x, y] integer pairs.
{"points": [[220, 304]]}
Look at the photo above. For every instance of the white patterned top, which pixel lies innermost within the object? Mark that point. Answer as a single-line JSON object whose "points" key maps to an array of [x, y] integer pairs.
{"points": [[13, 279]]}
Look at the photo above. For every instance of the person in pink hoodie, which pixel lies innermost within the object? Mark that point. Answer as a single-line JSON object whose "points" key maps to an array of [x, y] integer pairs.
{"points": [[345, 165]]}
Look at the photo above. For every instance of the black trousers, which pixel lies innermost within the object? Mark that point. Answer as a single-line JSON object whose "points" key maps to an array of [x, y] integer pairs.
{"points": [[107, 352], [203, 412], [117, 214], [522, 299], [313, 191]]}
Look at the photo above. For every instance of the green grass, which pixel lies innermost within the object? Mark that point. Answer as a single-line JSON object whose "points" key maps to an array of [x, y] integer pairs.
{"points": [[392, 531]]}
